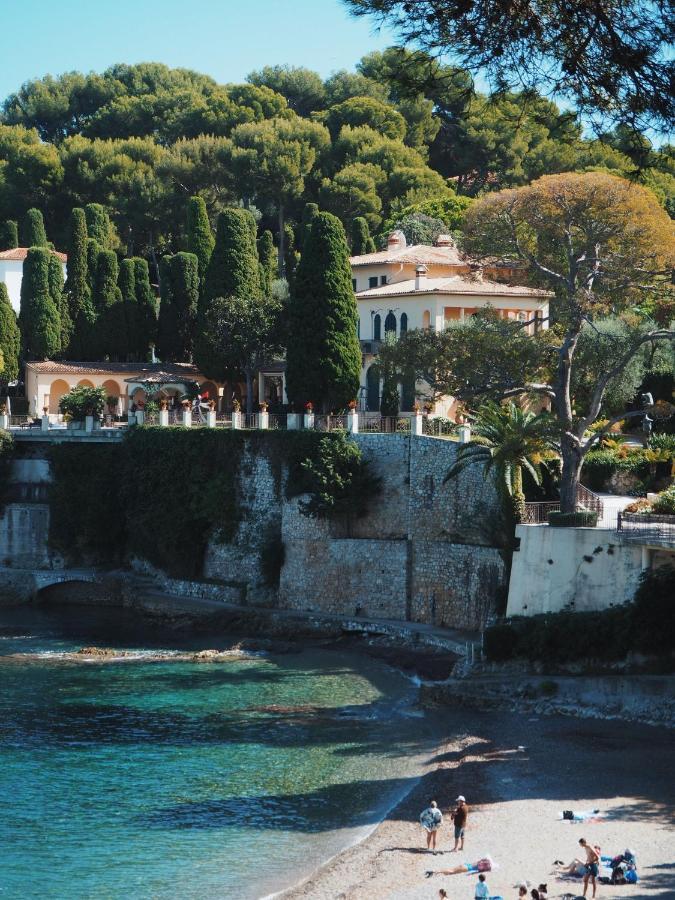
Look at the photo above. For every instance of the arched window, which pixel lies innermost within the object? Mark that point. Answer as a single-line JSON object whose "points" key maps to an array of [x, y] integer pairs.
{"points": [[404, 323], [373, 388], [426, 319], [377, 328], [390, 323]]}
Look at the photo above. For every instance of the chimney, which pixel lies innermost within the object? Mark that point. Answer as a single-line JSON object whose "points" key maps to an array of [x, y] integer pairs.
{"points": [[396, 241], [420, 277], [444, 240]]}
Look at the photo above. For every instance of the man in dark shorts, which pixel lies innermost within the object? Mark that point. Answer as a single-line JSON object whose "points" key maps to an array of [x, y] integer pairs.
{"points": [[459, 816], [592, 863]]}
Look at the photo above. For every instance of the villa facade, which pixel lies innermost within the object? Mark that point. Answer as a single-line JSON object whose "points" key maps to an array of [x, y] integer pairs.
{"points": [[11, 272]]}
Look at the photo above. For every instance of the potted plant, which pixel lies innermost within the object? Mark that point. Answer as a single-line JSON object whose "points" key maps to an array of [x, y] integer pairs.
{"points": [[263, 406], [309, 407], [212, 405], [186, 404], [81, 402], [236, 405]]}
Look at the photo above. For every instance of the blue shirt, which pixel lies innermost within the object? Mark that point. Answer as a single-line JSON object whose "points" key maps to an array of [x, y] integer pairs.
{"points": [[482, 891]]}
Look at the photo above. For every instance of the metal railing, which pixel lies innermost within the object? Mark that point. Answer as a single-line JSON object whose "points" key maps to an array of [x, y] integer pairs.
{"points": [[277, 422], [537, 513], [647, 528], [376, 424]]}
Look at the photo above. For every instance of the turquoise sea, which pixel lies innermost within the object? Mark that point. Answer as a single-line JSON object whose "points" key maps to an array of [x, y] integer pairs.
{"points": [[142, 779]]}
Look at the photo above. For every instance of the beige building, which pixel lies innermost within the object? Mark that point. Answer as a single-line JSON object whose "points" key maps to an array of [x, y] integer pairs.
{"points": [[407, 287]]}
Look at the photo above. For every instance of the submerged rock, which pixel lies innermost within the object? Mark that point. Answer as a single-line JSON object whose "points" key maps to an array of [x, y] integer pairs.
{"points": [[101, 652]]}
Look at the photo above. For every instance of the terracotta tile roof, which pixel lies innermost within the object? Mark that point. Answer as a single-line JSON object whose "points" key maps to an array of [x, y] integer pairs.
{"points": [[417, 254], [454, 285], [20, 253], [49, 367]]}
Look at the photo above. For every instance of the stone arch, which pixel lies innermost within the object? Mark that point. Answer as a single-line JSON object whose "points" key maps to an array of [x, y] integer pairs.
{"points": [[403, 327], [373, 388], [58, 389], [377, 327], [426, 319], [210, 388], [84, 382], [111, 388], [390, 323]]}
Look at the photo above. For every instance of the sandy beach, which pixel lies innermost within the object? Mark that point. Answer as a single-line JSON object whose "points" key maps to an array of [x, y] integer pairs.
{"points": [[625, 770]]}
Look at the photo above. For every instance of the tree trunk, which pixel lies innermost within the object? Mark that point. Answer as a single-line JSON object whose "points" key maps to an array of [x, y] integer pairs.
{"points": [[572, 459], [249, 392], [518, 497], [282, 242]]}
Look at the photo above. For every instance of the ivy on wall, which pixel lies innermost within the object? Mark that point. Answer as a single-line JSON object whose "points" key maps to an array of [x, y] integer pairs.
{"points": [[163, 493]]}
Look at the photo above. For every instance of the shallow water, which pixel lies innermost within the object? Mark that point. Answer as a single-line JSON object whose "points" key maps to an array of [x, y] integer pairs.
{"points": [[145, 779]]}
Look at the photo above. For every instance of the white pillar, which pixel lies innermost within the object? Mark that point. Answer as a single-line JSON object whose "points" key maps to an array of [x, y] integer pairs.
{"points": [[646, 558], [464, 432], [236, 419], [88, 423], [45, 423], [187, 418], [164, 417], [293, 421], [264, 420], [131, 418], [4, 421], [308, 420], [416, 424], [211, 418], [140, 416], [353, 421]]}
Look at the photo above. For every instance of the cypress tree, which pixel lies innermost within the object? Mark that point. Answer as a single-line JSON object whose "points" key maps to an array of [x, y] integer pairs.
{"points": [[233, 271], [60, 299], [184, 278], [93, 250], [9, 235], [77, 288], [323, 360], [111, 337], [34, 234], [39, 319], [147, 306], [291, 256], [362, 242], [10, 337], [167, 326], [127, 284], [309, 213], [99, 226], [267, 255], [200, 238]]}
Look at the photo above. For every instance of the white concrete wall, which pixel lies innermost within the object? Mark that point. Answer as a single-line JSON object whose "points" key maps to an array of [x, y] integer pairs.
{"points": [[556, 567], [11, 271]]}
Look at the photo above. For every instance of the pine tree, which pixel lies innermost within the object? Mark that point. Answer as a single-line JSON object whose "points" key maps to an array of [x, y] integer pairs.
{"points": [[184, 278], [34, 234], [58, 295], [267, 255], [167, 327], [9, 235], [39, 319], [200, 238], [323, 354], [10, 337], [99, 226], [127, 285], [111, 337], [309, 213], [362, 242], [147, 306]]}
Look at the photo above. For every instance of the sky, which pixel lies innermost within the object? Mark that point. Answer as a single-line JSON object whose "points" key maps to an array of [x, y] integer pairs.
{"points": [[226, 39]]}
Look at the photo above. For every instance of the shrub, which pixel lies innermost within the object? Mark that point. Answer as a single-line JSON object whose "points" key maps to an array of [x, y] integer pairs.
{"points": [[83, 401], [585, 518], [665, 502], [340, 481], [654, 623], [600, 465], [639, 506], [662, 442]]}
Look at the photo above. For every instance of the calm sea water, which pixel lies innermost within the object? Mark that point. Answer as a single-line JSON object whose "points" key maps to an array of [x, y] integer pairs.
{"points": [[170, 779]]}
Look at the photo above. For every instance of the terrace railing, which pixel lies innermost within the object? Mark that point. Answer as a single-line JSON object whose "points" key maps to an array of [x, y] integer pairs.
{"points": [[647, 528]]}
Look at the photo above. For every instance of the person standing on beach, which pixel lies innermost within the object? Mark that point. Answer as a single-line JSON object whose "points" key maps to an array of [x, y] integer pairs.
{"points": [[592, 863], [459, 816], [431, 819]]}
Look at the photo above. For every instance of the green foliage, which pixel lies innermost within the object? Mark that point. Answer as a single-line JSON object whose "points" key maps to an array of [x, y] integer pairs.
{"points": [[83, 401], [6, 454], [340, 482], [290, 256], [362, 242], [580, 519], [664, 504], [39, 319], [60, 300], [111, 337], [9, 235], [646, 626], [302, 88], [184, 279], [100, 227], [600, 465], [662, 442], [366, 111], [309, 213], [77, 287], [34, 234], [147, 306], [323, 352], [200, 238], [10, 338], [267, 256], [449, 210]]}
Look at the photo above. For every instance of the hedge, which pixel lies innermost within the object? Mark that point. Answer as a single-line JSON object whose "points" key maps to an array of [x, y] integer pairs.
{"points": [[600, 465], [582, 519], [646, 625]]}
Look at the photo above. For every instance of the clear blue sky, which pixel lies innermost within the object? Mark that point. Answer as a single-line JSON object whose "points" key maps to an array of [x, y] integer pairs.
{"points": [[222, 38]]}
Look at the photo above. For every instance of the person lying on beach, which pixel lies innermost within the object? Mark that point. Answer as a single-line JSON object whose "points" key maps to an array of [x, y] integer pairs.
{"points": [[482, 865], [431, 819], [577, 867]]}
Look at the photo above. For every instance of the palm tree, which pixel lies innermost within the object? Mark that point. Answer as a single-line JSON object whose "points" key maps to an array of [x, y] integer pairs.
{"points": [[506, 440]]}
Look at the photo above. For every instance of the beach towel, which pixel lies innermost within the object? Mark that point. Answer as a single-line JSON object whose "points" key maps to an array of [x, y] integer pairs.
{"points": [[431, 819]]}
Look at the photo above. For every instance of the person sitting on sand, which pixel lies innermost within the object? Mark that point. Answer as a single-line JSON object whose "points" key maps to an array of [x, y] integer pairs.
{"points": [[592, 863], [442, 894], [482, 892], [522, 891], [459, 816], [431, 819], [577, 867]]}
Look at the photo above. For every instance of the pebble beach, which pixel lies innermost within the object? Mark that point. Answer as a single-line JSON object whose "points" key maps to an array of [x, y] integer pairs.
{"points": [[518, 773]]}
